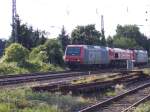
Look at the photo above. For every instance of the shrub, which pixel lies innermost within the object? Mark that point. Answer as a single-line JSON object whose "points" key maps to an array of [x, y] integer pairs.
{"points": [[39, 54], [143, 107], [54, 51], [11, 68], [16, 53]]}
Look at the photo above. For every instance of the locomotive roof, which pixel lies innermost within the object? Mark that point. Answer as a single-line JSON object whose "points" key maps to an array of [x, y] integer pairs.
{"points": [[102, 47], [88, 46]]}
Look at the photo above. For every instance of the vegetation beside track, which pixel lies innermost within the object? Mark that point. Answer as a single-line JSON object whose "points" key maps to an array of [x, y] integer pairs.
{"points": [[143, 107], [146, 71], [13, 68], [95, 78], [24, 100], [105, 77], [17, 59]]}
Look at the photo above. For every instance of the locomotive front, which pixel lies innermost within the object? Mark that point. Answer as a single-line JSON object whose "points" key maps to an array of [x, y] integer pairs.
{"points": [[74, 55]]}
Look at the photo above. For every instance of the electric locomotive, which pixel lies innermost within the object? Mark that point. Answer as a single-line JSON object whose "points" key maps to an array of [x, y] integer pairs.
{"points": [[98, 56]]}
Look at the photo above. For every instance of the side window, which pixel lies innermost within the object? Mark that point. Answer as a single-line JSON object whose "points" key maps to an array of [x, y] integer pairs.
{"points": [[116, 55]]}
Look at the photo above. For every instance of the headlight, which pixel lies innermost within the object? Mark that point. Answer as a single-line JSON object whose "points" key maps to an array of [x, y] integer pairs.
{"points": [[66, 59], [78, 60]]}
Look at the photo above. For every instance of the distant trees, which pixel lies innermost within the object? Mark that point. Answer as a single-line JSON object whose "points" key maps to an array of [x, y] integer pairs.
{"points": [[2, 46], [86, 35], [125, 43], [109, 41], [64, 38], [129, 36], [27, 37]]}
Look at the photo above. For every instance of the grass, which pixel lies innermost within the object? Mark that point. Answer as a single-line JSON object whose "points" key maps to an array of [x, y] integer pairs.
{"points": [[143, 107], [111, 93], [24, 100], [146, 71], [95, 78]]}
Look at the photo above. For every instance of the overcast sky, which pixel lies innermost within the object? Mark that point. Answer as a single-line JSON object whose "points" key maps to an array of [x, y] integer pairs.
{"points": [[50, 15]]}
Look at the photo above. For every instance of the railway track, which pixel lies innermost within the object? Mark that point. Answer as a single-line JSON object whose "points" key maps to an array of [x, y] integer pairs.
{"points": [[25, 78], [66, 85], [10, 80], [124, 102]]}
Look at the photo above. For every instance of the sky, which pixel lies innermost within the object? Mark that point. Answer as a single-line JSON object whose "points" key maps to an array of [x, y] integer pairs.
{"points": [[51, 15]]}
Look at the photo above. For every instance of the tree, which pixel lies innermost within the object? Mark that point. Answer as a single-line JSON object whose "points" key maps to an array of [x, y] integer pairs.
{"points": [[54, 51], [126, 43], [63, 38], [86, 35], [131, 32], [148, 45], [109, 41], [2, 46], [26, 36]]}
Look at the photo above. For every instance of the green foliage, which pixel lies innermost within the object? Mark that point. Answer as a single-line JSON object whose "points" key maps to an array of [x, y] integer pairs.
{"points": [[2, 46], [129, 31], [11, 68], [126, 43], [15, 60], [86, 35], [110, 41], [41, 67], [132, 32], [26, 36], [5, 107], [64, 39], [39, 54], [24, 100], [54, 51], [143, 107], [16, 53]]}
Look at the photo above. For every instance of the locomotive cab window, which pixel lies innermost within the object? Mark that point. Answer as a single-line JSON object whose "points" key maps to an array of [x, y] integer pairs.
{"points": [[73, 51]]}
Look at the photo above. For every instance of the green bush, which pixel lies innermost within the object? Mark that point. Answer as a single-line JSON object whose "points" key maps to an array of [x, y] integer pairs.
{"points": [[15, 53], [143, 107], [5, 107], [40, 67], [17, 60], [54, 51], [39, 54], [28, 67], [11, 68]]}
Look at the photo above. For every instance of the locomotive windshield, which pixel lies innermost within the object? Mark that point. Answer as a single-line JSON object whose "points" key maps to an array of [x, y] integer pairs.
{"points": [[73, 51]]}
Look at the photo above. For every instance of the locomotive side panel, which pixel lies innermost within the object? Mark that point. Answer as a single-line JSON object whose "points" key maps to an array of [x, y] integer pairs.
{"points": [[91, 55], [105, 58], [141, 56], [97, 55]]}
